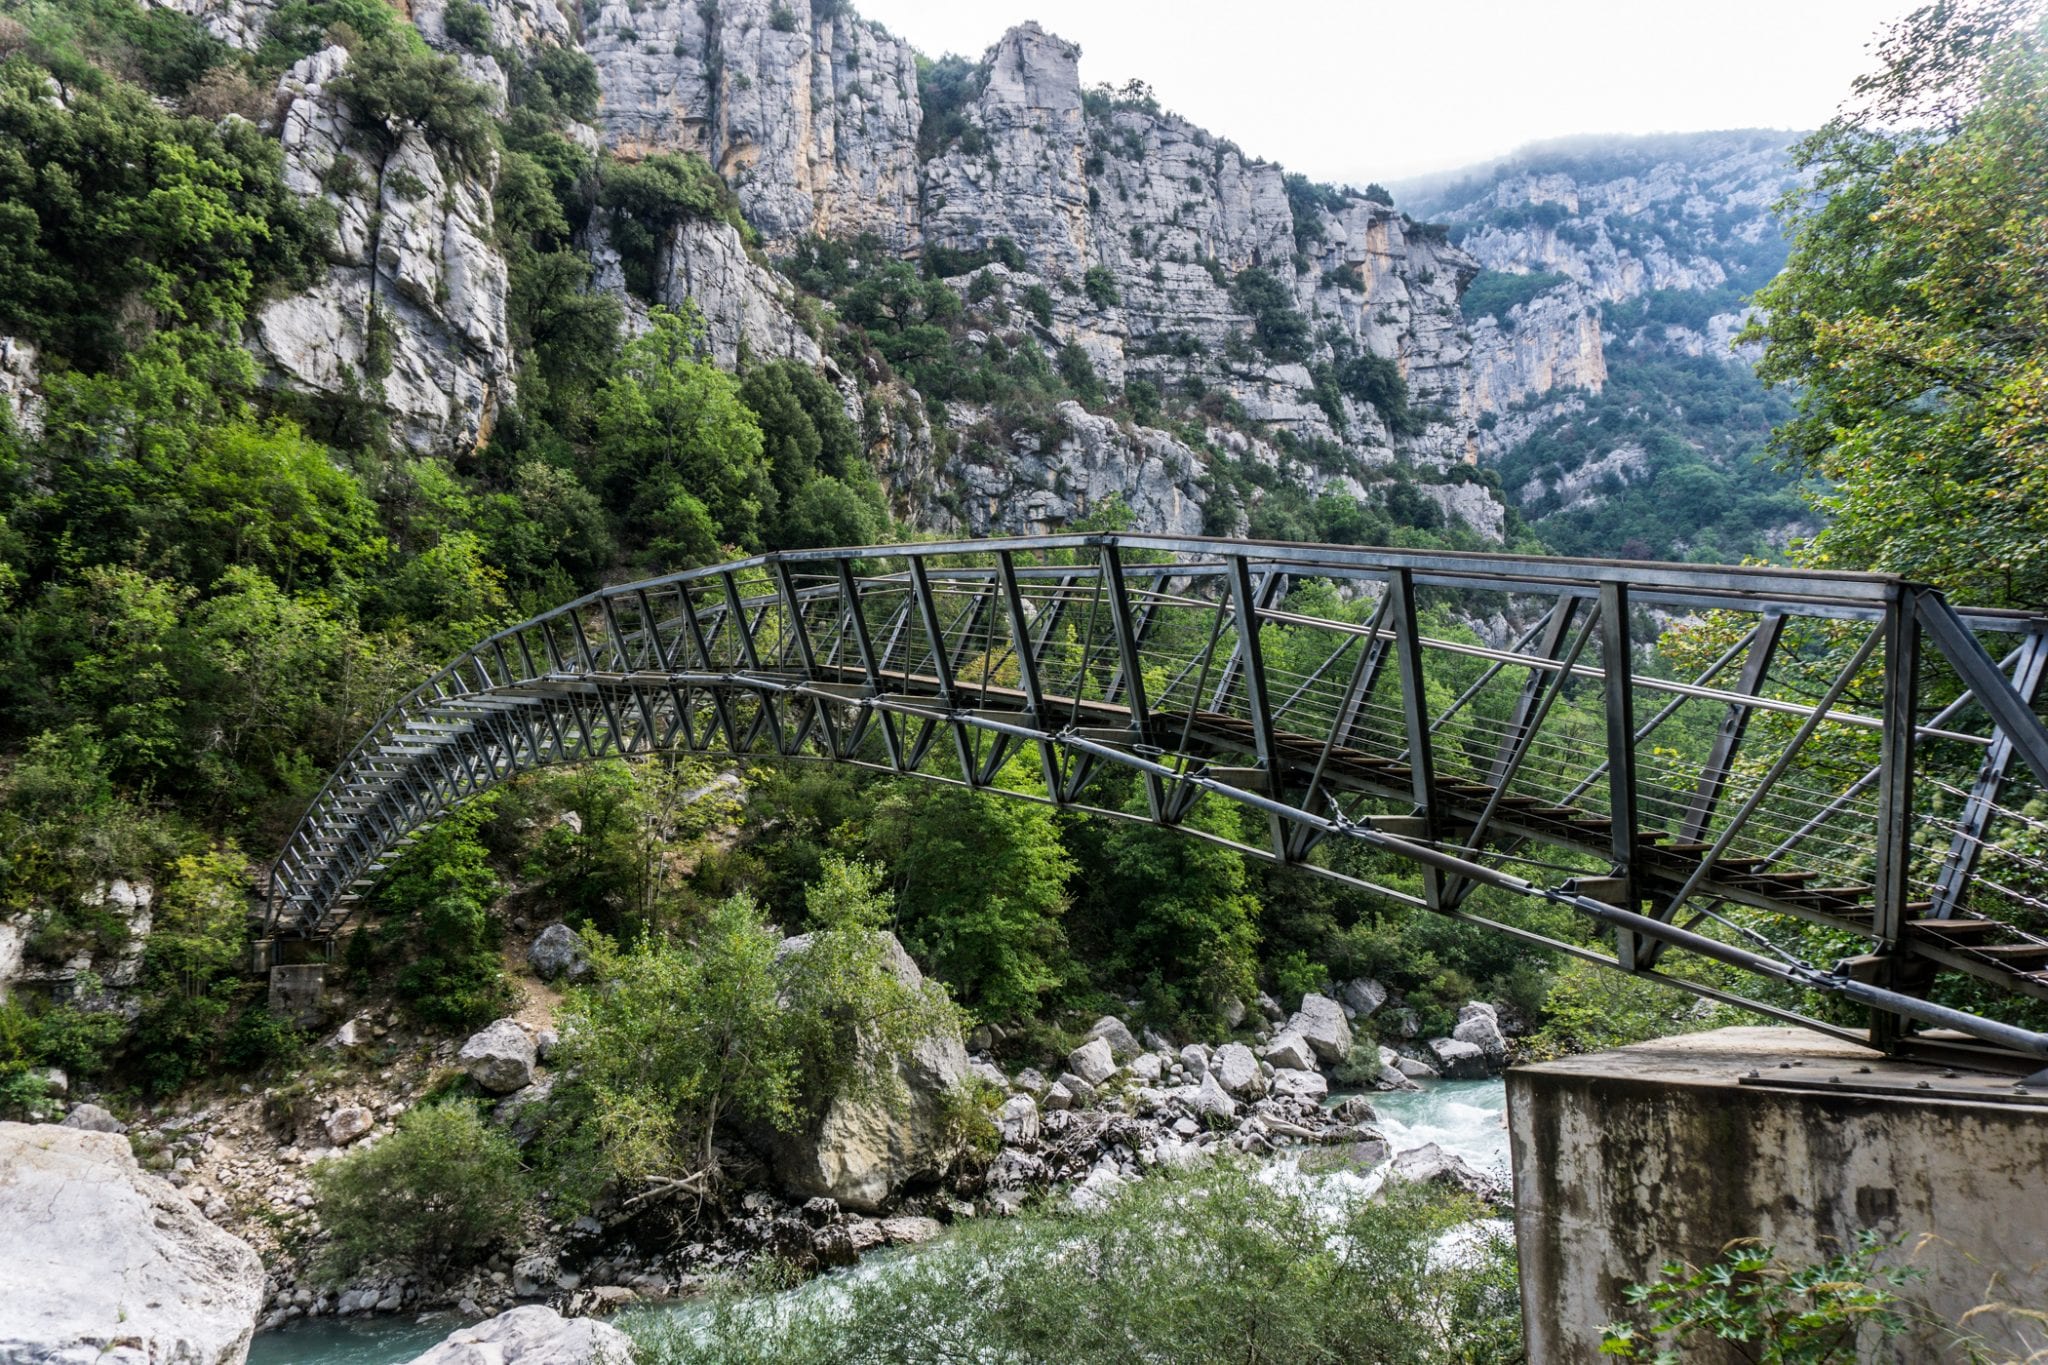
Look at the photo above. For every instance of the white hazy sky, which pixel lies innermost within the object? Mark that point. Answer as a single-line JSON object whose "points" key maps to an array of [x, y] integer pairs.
{"points": [[1355, 90]]}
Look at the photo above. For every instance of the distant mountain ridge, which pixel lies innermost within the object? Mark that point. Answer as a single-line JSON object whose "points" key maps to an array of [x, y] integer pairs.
{"points": [[1665, 236]]}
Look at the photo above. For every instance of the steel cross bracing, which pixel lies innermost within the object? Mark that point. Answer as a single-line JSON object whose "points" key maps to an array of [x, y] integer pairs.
{"points": [[1830, 783]]}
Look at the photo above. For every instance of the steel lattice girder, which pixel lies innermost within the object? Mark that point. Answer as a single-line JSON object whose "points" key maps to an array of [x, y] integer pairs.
{"points": [[1154, 655]]}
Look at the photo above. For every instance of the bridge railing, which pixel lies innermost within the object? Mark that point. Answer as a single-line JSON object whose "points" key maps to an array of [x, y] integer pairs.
{"points": [[1828, 782]]}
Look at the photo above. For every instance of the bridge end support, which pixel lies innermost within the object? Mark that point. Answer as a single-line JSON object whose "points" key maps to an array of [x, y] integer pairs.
{"points": [[298, 992], [1668, 1150]]}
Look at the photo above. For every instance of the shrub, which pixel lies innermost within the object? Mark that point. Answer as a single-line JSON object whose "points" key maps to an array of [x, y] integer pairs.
{"points": [[1494, 293], [1790, 1315], [1100, 286], [468, 24], [677, 1038], [391, 84], [1377, 380], [432, 1197], [1038, 303], [1209, 1265], [651, 197], [1280, 331]]}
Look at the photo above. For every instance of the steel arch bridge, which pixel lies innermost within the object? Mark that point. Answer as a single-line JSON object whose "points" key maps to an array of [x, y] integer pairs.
{"points": [[1827, 781]]}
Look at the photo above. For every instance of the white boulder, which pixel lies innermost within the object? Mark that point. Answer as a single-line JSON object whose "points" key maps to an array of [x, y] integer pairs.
{"points": [[1300, 1085], [1236, 1071], [1094, 1061], [1117, 1034], [1290, 1052], [532, 1335], [91, 1118], [1459, 1061], [348, 1123], [499, 1057], [556, 950], [107, 1263], [1321, 1021], [1213, 1101], [1017, 1120], [1479, 1025], [1360, 998]]}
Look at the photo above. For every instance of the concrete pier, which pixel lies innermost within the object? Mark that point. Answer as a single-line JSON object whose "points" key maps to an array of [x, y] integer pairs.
{"points": [[1669, 1150]]}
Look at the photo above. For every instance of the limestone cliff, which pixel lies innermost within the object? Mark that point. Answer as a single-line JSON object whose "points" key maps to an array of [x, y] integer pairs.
{"points": [[808, 111], [1164, 253], [1129, 225], [1617, 275], [411, 314]]}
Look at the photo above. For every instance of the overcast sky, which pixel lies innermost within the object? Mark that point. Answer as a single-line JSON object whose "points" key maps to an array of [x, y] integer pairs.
{"points": [[1355, 90]]}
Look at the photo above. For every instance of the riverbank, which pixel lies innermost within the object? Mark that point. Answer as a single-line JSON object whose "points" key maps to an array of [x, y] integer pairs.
{"points": [[1463, 1119]]}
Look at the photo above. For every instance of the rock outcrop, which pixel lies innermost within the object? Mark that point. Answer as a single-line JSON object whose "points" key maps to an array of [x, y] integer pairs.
{"points": [[862, 1149], [21, 399], [106, 1263], [411, 314], [1025, 177], [810, 112], [1027, 480]]}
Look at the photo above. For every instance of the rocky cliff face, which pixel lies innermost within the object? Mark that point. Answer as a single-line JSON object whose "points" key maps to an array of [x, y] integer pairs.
{"points": [[746, 307], [1624, 220], [1637, 257], [1132, 223], [20, 397], [411, 315], [1128, 228], [808, 111]]}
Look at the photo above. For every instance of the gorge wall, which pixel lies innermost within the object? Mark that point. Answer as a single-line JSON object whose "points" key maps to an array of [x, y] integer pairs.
{"points": [[1284, 314], [1648, 248], [1244, 330]]}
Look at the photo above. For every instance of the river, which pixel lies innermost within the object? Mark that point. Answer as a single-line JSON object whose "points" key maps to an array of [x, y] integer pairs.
{"points": [[1465, 1118]]}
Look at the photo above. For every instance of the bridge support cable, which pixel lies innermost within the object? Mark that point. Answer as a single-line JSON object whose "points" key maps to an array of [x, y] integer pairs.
{"points": [[1198, 677]]}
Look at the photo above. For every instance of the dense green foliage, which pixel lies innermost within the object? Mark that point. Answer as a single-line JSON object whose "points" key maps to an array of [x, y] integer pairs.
{"points": [[680, 1034], [1829, 1313], [1278, 327], [434, 1195], [1210, 1265], [1701, 487], [1494, 294], [1913, 315], [209, 587]]}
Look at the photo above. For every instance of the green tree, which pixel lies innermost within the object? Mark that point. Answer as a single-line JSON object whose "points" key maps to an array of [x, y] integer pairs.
{"points": [[1780, 1314], [618, 867], [669, 424], [678, 1037], [1277, 326], [116, 217], [191, 969], [980, 884], [1207, 1265], [432, 1198], [804, 427], [1913, 313], [437, 898], [1173, 913]]}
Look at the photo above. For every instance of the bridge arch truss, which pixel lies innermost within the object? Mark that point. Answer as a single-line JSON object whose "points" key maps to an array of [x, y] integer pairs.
{"points": [[1820, 781]]}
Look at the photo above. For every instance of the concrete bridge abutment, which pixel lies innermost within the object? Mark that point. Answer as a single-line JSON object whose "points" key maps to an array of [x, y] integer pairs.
{"points": [[1669, 1150]]}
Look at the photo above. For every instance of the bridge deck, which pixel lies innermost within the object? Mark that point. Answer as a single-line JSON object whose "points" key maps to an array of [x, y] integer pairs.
{"points": [[1753, 777]]}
